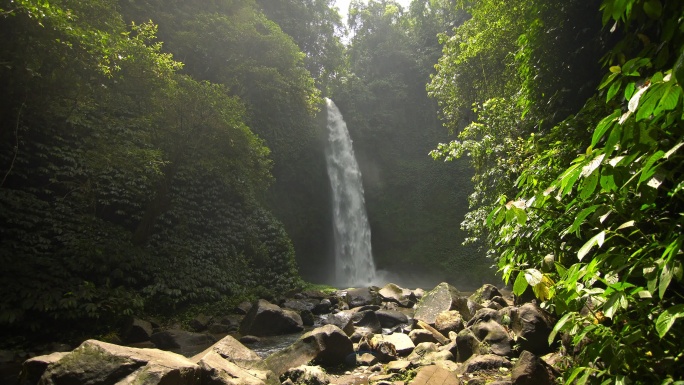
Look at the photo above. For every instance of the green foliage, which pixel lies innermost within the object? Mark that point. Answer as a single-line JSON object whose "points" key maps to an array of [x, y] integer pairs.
{"points": [[126, 187], [598, 235]]}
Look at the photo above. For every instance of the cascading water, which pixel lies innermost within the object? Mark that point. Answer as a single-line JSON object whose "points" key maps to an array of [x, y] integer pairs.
{"points": [[353, 257]]}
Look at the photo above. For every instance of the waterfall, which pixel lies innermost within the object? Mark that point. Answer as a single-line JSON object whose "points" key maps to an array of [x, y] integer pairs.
{"points": [[353, 257]]}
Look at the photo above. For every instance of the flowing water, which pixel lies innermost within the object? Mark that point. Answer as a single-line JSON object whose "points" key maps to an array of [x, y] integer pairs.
{"points": [[353, 256]]}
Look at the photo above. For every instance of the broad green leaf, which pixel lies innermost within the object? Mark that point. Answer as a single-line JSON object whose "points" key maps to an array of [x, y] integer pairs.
{"points": [[669, 99], [596, 240], [678, 69], [588, 186], [520, 284], [607, 80], [649, 102], [653, 8], [579, 220], [612, 91], [615, 69], [593, 165], [559, 326], [629, 90], [667, 318], [615, 302], [665, 278], [603, 126], [648, 170], [634, 101]]}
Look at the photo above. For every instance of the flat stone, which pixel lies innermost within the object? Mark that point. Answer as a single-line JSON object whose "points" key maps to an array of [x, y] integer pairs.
{"points": [[435, 375]]}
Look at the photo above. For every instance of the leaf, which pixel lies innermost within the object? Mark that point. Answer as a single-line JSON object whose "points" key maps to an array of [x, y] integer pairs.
{"points": [[678, 69], [653, 8], [520, 284], [559, 326], [634, 101], [603, 126], [669, 99], [589, 186], [593, 165], [648, 170], [612, 91], [594, 241], [615, 69], [533, 276], [667, 318], [626, 225], [665, 278], [648, 104], [579, 220], [616, 301]]}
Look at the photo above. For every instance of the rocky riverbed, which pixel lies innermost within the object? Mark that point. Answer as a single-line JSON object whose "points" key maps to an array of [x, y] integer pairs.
{"points": [[388, 335]]}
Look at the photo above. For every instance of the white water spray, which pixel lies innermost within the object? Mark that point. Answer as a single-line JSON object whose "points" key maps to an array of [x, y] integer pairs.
{"points": [[353, 257]]}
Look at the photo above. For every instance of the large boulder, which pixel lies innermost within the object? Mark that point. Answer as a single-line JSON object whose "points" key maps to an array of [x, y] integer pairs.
{"points": [[495, 337], [532, 370], [366, 322], [216, 370], [449, 321], [137, 330], [343, 320], [327, 345], [361, 297], [427, 353], [485, 362], [435, 375], [402, 343], [532, 326], [33, 368], [466, 345], [396, 294], [230, 349], [442, 298], [299, 305], [96, 362], [485, 293], [391, 318], [267, 319], [181, 341]]}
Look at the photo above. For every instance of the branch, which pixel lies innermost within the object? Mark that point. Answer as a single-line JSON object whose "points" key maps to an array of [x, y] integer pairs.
{"points": [[16, 145]]}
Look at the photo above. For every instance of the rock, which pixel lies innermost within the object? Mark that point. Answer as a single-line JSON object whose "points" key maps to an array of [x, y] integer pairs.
{"points": [[391, 318], [230, 349], [327, 345], [402, 343], [322, 307], [485, 293], [442, 298], [216, 370], [396, 294], [250, 339], [484, 362], [484, 315], [314, 294], [200, 323], [243, 307], [449, 321], [435, 375], [298, 305], [307, 318], [467, 345], [384, 350], [397, 366], [33, 368], [343, 320], [427, 353], [531, 370], [181, 341], [366, 359], [532, 326], [418, 336], [218, 328], [366, 321], [361, 297], [137, 331], [438, 336], [267, 319], [494, 336], [96, 362], [306, 375]]}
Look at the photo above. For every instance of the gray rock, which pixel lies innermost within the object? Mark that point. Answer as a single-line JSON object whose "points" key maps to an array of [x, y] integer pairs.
{"points": [[181, 341], [267, 319], [217, 370], [494, 336], [230, 349], [366, 321], [366, 359], [361, 297], [307, 318], [396, 294], [96, 362], [243, 308], [419, 336], [532, 326], [306, 375], [200, 323], [298, 305], [323, 307], [531, 370], [467, 345], [438, 336], [33, 368], [402, 343], [137, 331], [442, 298], [449, 321], [327, 345], [435, 375], [484, 362], [343, 320], [485, 315], [485, 293], [391, 318], [427, 353]]}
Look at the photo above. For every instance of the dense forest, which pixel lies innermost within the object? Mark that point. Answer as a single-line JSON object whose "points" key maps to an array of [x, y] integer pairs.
{"points": [[159, 156]]}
